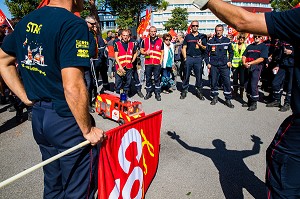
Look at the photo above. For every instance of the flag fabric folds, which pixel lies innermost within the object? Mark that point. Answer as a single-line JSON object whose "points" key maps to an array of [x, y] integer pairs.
{"points": [[129, 157], [3, 19], [143, 29]]}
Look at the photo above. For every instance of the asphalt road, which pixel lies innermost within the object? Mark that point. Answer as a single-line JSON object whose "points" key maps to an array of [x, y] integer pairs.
{"points": [[213, 157]]}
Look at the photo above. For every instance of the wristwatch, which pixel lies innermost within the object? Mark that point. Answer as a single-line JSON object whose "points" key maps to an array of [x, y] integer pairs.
{"points": [[200, 4]]}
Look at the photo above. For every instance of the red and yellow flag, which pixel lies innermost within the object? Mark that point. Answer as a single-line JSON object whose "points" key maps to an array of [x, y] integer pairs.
{"points": [[143, 29], [3, 19], [129, 158]]}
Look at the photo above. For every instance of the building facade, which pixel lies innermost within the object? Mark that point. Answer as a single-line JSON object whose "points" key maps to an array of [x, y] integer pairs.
{"points": [[207, 20]]}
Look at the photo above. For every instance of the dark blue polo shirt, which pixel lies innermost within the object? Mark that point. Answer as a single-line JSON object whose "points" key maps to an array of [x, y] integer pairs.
{"points": [[44, 42], [255, 51], [286, 26], [193, 49]]}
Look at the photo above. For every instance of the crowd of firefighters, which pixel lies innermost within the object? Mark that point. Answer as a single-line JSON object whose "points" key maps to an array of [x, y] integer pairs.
{"points": [[158, 61]]}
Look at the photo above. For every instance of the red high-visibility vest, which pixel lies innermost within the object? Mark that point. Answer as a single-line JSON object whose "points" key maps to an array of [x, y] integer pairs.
{"points": [[124, 56], [155, 51]]}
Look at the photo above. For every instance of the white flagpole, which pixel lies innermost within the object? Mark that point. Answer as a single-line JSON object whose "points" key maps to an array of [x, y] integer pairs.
{"points": [[27, 171], [9, 23]]}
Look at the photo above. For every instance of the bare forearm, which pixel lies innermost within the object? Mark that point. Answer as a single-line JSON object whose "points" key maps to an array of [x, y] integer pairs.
{"points": [[239, 18], [77, 99], [257, 61]]}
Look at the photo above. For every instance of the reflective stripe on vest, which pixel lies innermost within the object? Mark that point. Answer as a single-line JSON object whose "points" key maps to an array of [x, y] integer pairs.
{"points": [[125, 57], [155, 51], [237, 56]]}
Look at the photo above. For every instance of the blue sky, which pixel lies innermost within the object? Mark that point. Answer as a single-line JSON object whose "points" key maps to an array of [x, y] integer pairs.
{"points": [[4, 8]]}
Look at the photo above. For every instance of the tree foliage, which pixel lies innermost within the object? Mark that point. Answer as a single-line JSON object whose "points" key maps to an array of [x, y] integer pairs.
{"points": [[281, 5], [20, 8], [178, 21], [129, 12]]}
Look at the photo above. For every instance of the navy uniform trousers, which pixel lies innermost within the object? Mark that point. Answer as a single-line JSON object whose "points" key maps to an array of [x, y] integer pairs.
{"points": [[283, 161], [252, 76], [278, 82], [126, 80], [194, 63], [74, 175], [155, 70], [224, 73]]}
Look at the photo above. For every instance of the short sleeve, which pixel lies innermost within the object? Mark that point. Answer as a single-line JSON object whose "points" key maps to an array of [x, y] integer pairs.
{"points": [[284, 25], [74, 45], [264, 52], [185, 41], [9, 44], [116, 47]]}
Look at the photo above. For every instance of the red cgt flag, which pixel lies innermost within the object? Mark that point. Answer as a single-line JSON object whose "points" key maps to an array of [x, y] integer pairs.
{"points": [[3, 19], [129, 158]]}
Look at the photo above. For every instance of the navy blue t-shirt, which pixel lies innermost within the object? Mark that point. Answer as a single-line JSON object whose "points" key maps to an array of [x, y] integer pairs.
{"points": [[286, 26], [193, 49], [44, 42], [255, 51]]}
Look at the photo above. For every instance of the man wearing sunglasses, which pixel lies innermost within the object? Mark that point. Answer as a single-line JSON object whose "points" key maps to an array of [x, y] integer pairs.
{"points": [[253, 60], [283, 154], [194, 45]]}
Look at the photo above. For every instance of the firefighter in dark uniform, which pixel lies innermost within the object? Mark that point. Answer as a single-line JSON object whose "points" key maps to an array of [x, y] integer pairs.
{"points": [[283, 73], [125, 54], [193, 46], [253, 60], [218, 58], [153, 49], [283, 154]]}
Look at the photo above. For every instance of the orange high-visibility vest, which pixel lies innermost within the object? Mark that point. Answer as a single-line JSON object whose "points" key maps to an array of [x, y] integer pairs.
{"points": [[124, 56], [155, 51]]}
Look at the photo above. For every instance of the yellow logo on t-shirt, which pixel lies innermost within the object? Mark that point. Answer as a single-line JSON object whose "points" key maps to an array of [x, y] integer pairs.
{"points": [[83, 53], [34, 28], [82, 44]]}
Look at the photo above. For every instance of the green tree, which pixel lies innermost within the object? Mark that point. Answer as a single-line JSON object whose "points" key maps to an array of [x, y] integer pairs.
{"points": [[129, 11], [281, 5], [178, 21], [20, 8]]}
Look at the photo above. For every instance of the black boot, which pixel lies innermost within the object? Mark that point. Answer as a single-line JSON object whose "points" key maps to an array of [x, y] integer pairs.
{"points": [[253, 106], [140, 94], [157, 97], [199, 94], [214, 100], [148, 96], [229, 104], [285, 107], [183, 94]]}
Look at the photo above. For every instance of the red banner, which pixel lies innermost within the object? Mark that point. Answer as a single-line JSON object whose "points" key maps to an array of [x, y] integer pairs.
{"points": [[2, 18], [143, 29], [129, 158]]}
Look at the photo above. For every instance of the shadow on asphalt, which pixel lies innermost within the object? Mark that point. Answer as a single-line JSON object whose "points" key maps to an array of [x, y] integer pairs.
{"points": [[234, 174], [12, 123]]}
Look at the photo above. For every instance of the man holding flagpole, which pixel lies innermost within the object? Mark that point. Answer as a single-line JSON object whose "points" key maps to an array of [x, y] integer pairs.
{"points": [[52, 49]]}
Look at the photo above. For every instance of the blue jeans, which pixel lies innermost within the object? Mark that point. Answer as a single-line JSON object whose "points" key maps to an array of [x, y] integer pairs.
{"points": [[73, 175]]}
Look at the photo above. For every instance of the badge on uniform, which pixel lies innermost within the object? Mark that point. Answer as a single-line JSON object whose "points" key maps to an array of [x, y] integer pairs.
{"points": [[213, 48], [225, 47]]}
